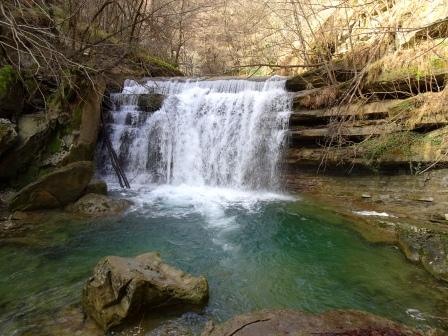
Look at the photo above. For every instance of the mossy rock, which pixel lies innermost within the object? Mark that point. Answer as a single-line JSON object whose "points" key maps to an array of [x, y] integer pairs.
{"points": [[34, 132], [11, 93]]}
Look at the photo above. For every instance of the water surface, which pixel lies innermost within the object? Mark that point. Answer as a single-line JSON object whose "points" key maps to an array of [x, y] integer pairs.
{"points": [[258, 250]]}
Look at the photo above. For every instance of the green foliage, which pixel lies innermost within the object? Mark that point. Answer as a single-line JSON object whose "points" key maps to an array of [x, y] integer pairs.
{"points": [[8, 77]]}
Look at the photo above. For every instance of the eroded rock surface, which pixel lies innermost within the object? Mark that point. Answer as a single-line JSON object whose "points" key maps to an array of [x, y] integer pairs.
{"points": [[97, 205], [121, 287], [56, 189], [286, 322]]}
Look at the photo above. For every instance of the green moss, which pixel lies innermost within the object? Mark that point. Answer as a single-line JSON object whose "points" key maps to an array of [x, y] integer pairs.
{"points": [[76, 119], [403, 72], [394, 145], [8, 77], [153, 60], [60, 100], [55, 144]]}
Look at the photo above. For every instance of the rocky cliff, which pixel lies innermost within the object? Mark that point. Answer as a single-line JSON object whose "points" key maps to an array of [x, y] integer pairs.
{"points": [[372, 142]]}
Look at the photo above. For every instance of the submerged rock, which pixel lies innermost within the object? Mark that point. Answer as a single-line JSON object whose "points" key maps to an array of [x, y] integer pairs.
{"points": [[286, 322], [150, 102], [121, 287], [97, 205], [55, 189]]}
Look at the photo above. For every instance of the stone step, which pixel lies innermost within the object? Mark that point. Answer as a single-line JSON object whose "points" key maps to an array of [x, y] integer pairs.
{"points": [[428, 150], [332, 156], [357, 131], [376, 110]]}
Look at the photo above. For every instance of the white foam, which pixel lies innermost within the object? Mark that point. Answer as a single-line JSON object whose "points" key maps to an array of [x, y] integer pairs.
{"points": [[208, 201], [373, 214]]}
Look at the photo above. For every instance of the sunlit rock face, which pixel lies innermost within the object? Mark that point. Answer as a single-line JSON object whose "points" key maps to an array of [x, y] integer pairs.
{"points": [[224, 133]]}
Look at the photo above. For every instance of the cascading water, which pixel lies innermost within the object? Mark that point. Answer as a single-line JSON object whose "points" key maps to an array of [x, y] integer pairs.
{"points": [[218, 133]]}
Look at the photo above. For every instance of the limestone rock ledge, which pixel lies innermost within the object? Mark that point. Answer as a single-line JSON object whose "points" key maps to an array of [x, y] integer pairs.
{"points": [[121, 288]]}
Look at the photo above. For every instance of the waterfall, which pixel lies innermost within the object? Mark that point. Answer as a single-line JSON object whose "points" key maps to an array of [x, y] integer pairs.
{"points": [[219, 133]]}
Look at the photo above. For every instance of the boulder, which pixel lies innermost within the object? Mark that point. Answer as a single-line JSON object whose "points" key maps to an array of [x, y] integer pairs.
{"points": [[8, 135], [287, 322], [150, 102], [96, 187], [96, 205], [55, 189], [121, 287]]}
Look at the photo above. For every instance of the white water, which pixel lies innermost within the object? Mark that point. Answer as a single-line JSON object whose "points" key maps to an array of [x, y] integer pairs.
{"points": [[209, 136]]}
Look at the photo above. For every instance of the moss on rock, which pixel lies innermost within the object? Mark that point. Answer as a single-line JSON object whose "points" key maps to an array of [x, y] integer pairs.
{"points": [[11, 93]]}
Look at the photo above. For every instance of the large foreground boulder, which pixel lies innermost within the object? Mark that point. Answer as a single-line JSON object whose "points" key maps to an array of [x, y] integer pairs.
{"points": [[97, 205], [286, 322], [121, 288], [56, 189]]}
